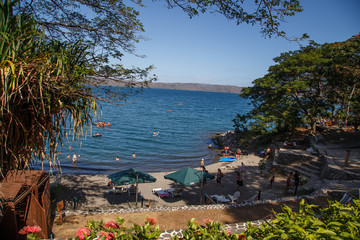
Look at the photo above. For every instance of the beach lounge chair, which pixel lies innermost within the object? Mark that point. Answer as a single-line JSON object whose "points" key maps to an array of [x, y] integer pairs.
{"points": [[253, 198], [160, 193], [155, 190], [220, 198], [234, 198], [130, 190], [347, 198], [208, 199]]}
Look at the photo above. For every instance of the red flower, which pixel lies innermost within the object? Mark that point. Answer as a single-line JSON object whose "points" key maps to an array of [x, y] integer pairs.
{"points": [[241, 236], [109, 236], [111, 224], [151, 220], [81, 231], [227, 231], [207, 221], [29, 229]]}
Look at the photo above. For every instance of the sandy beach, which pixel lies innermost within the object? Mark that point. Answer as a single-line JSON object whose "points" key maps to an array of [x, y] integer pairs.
{"points": [[92, 191]]}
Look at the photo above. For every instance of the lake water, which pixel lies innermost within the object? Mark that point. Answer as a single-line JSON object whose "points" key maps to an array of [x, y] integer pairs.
{"points": [[185, 120]]}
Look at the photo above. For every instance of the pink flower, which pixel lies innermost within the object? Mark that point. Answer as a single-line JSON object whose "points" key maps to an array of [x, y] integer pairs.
{"points": [[151, 220], [109, 236], [29, 229], [207, 221], [81, 231], [111, 224], [227, 231]]}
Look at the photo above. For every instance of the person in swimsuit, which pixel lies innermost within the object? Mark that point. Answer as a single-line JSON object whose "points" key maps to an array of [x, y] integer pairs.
{"points": [[219, 175], [202, 165]]}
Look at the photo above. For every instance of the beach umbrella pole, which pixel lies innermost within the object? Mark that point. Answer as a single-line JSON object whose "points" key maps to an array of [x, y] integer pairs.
{"points": [[137, 182], [201, 188]]}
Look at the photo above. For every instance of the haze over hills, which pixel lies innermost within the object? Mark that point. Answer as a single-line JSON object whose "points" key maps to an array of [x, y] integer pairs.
{"points": [[197, 87], [180, 86]]}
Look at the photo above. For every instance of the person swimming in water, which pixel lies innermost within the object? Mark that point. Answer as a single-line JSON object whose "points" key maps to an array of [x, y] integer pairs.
{"points": [[134, 156], [74, 159]]}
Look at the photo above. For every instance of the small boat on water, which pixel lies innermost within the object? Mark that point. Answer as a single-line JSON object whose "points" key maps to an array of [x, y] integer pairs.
{"points": [[97, 135]]}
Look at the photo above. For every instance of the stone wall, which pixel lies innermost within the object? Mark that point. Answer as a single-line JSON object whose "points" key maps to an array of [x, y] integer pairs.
{"points": [[289, 156], [332, 171]]}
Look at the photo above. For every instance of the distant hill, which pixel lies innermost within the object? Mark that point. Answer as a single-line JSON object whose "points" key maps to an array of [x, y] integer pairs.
{"points": [[197, 87], [181, 86]]}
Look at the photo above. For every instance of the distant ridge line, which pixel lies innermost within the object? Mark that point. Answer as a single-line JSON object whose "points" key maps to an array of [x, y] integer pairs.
{"points": [[197, 87]]}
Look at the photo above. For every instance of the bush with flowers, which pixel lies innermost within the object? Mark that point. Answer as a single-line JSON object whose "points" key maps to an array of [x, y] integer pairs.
{"points": [[333, 222], [115, 230], [30, 231], [208, 230]]}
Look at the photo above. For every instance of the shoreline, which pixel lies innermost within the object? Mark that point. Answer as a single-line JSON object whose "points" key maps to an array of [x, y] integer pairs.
{"points": [[214, 158], [92, 191], [95, 202]]}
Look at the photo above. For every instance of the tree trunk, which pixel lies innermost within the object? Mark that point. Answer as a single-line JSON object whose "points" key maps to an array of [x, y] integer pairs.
{"points": [[348, 107], [313, 127]]}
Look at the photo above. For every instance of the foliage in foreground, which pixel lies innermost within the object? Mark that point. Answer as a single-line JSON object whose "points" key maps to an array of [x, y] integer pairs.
{"points": [[333, 222], [48, 90]]}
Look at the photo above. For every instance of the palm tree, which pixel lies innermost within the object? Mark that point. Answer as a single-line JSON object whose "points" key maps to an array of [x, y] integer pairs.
{"points": [[42, 85]]}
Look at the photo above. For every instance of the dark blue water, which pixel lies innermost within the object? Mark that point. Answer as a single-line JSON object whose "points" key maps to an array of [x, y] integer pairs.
{"points": [[185, 120]]}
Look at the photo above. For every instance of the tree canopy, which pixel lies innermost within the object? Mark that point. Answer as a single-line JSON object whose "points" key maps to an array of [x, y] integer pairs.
{"points": [[56, 55], [267, 14], [306, 86]]}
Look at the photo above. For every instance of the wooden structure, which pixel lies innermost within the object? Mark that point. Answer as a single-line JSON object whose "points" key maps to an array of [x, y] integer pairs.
{"points": [[26, 201]]}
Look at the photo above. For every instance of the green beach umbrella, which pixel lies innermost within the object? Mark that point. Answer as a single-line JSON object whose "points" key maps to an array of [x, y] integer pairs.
{"points": [[188, 176], [129, 177]]}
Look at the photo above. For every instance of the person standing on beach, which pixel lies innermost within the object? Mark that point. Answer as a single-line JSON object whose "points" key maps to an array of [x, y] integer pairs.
{"points": [[74, 159], [239, 181], [267, 153], [242, 169], [219, 175], [202, 165], [272, 179], [238, 153], [288, 181], [297, 181]]}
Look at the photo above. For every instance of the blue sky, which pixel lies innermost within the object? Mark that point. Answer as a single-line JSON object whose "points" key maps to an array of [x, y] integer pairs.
{"points": [[210, 49]]}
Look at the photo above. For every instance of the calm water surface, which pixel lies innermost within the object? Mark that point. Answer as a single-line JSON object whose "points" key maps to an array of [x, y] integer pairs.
{"points": [[185, 120]]}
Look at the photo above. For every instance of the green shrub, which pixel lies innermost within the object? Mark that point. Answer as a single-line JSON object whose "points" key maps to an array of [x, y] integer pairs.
{"points": [[333, 222]]}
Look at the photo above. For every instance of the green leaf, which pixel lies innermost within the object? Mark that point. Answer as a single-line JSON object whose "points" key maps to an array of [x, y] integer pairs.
{"points": [[326, 232], [284, 236], [334, 224]]}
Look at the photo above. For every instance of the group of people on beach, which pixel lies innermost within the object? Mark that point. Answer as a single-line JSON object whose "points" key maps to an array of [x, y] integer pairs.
{"points": [[293, 181], [219, 175]]}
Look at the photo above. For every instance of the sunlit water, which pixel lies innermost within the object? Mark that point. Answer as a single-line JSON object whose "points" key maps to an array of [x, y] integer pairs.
{"points": [[185, 120]]}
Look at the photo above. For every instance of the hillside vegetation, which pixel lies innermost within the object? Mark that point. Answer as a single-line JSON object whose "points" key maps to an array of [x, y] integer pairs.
{"points": [[197, 87]]}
